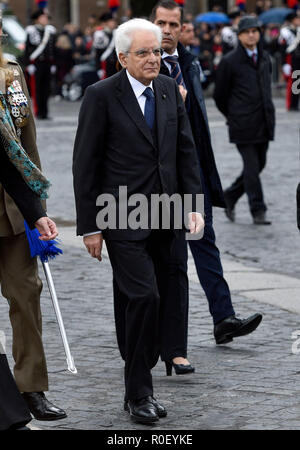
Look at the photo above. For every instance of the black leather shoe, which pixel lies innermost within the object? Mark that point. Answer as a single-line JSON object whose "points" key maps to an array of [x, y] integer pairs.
{"points": [[229, 210], [143, 410], [160, 409], [41, 408], [260, 219], [232, 327], [180, 369]]}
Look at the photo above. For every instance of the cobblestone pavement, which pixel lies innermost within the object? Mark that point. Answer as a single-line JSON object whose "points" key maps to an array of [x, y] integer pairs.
{"points": [[252, 383]]}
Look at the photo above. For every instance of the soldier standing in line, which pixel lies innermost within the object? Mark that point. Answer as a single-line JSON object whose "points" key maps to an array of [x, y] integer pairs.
{"points": [[229, 33], [40, 61]]}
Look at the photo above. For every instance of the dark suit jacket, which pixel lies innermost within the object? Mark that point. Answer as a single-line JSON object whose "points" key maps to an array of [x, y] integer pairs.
{"points": [[114, 147], [199, 122], [27, 201]]}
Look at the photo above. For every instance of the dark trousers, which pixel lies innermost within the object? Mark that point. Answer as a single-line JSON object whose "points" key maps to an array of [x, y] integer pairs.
{"points": [[139, 271], [209, 267], [254, 159], [43, 87], [175, 303], [21, 286], [13, 410], [174, 315]]}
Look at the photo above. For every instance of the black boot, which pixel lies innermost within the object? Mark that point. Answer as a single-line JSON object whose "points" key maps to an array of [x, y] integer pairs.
{"points": [[229, 210], [160, 409], [143, 410], [41, 408], [232, 327], [260, 219]]}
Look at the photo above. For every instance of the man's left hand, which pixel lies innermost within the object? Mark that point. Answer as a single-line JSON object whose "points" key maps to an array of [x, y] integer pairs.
{"points": [[196, 223]]}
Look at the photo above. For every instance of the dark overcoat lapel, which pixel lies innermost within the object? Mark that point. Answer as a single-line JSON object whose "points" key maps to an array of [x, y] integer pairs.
{"points": [[161, 110]]}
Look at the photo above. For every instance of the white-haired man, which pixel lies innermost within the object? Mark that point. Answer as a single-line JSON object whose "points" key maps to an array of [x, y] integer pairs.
{"points": [[133, 131]]}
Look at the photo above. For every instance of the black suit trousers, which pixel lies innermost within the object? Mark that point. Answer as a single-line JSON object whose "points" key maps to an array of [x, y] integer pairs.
{"points": [[254, 159], [139, 271], [13, 410], [43, 87]]}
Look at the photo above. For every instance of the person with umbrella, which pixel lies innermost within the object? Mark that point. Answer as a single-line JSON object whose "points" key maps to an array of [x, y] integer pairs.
{"points": [[14, 413], [20, 283]]}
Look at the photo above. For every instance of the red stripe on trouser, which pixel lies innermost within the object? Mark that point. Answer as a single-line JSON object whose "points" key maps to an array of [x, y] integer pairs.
{"points": [[104, 69], [33, 94], [289, 92]]}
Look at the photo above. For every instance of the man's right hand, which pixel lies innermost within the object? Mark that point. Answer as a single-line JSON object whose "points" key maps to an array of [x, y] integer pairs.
{"points": [[94, 244]]}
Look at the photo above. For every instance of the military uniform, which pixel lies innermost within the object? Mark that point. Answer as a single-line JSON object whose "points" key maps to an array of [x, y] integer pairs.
{"points": [[19, 279], [105, 55], [289, 40], [229, 39], [40, 57]]}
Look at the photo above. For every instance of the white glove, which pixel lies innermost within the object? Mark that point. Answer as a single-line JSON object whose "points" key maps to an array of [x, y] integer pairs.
{"points": [[31, 69], [53, 70], [287, 70], [101, 74]]}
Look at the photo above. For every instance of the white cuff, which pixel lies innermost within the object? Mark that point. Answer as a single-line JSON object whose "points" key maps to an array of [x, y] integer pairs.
{"points": [[91, 234]]}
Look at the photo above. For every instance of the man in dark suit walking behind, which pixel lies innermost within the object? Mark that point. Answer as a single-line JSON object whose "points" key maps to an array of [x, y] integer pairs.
{"points": [[133, 131], [178, 63]]}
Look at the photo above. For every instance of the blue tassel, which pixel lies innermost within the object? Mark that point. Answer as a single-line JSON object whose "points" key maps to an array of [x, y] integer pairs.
{"points": [[43, 249]]}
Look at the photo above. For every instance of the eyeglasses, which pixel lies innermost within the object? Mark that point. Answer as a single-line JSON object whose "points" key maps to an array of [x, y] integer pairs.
{"points": [[143, 53]]}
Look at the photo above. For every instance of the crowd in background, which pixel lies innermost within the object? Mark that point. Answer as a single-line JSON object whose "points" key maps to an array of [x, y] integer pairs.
{"points": [[91, 49]]}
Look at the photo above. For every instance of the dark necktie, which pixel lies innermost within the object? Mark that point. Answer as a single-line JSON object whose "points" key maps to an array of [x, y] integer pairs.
{"points": [[254, 58], [175, 70], [149, 107]]}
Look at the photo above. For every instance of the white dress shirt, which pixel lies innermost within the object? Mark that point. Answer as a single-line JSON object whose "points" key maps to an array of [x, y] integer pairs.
{"points": [[252, 52], [138, 89], [165, 55]]}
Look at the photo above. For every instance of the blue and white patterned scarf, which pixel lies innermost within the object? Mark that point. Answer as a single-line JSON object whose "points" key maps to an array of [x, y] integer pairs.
{"points": [[17, 155]]}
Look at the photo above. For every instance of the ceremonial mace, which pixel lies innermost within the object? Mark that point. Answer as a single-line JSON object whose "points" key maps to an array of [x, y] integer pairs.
{"points": [[46, 250]]}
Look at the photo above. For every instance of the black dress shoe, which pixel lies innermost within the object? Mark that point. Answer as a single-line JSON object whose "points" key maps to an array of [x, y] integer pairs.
{"points": [[232, 327], [180, 369], [260, 219], [160, 409], [229, 210], [41, 408], [143, 410]]}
